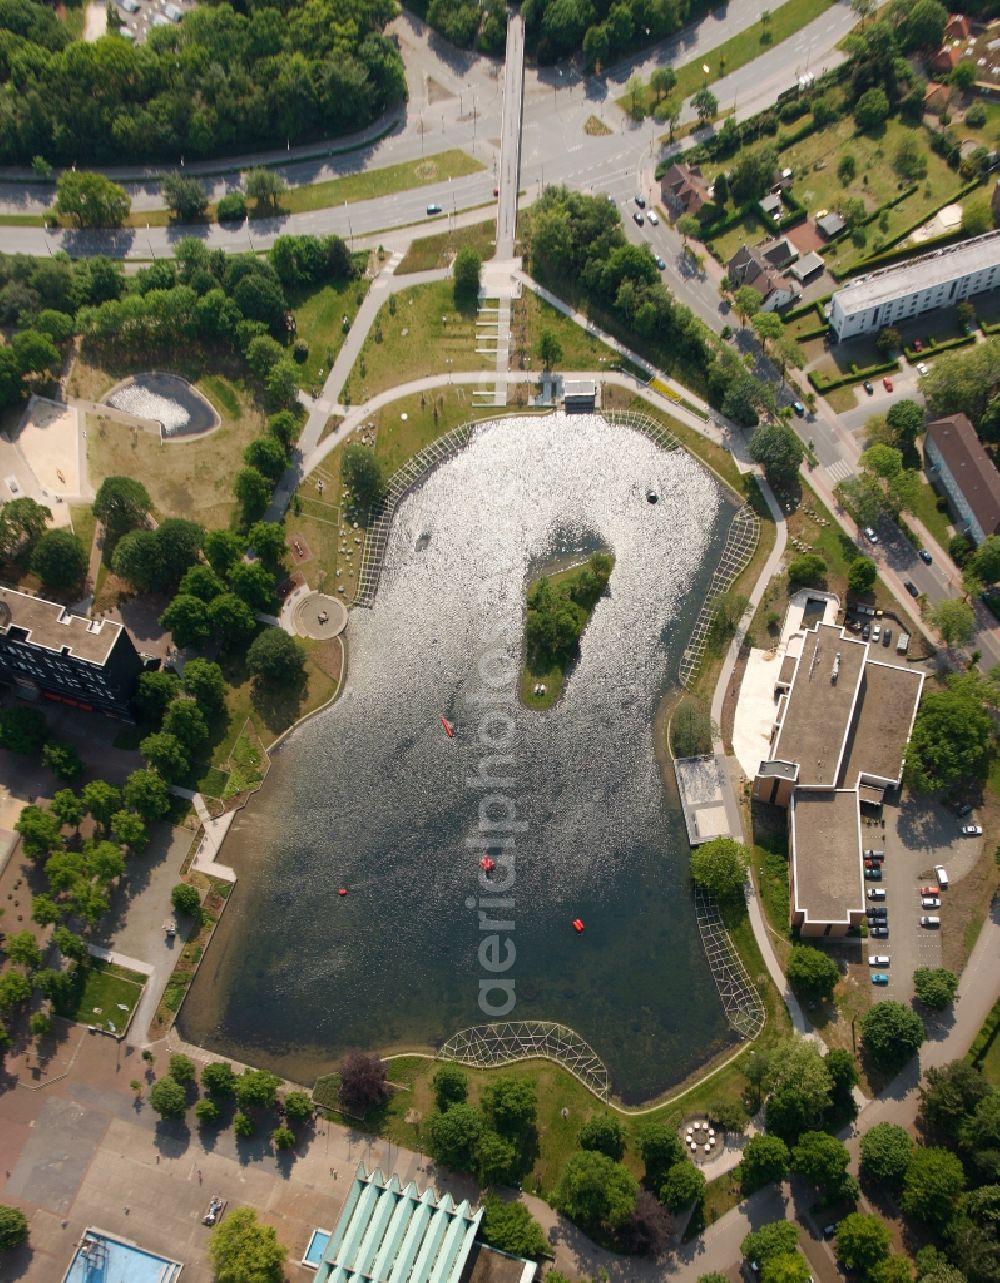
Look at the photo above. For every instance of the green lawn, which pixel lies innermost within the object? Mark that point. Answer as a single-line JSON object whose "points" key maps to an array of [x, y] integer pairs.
{"points": [[96, 1000], [319, 320], [84, 521], [783, 22], [429, 252], [422, 333], [580, 350], [369, 184], [988, 134], [925, 509]]}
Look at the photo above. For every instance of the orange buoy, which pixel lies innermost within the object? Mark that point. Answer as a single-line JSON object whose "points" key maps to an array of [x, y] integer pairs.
{"points": [[342, 891], [578, 925]]}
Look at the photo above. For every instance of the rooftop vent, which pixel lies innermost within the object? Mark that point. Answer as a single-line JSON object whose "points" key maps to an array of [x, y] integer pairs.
{"points": [[836, 667]]}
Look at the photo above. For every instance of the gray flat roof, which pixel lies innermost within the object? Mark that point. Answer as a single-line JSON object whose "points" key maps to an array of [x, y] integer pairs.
{"points": [[826, 854], [818, 709], [936, 268], [707, 798], [49, 625], [889, 698]]}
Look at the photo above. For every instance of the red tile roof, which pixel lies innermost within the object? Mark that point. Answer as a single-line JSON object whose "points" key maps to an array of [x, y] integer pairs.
{"points": [[971, 467]]}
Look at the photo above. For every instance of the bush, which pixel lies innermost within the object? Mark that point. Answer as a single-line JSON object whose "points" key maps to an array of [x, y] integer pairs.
{"points": [[218, 1078], [807, 569], [510, 1227], [207, 1112], [232, 208], [720, 867], [885, 1154], [451, 1087], [765, 1160], [186, 899], [811, 972], [168, 1098], [891, 1034], [605, 1134], [13, 1226], [935, 986], [298, 1106], [243, 1125], [685, 1184], [182, 1069]]}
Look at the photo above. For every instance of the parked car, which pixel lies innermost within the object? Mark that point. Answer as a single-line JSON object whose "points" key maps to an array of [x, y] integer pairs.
{"points": [[870, 534], [660, 263], [638, 218], [866, 631], [878, 915], [653, 218], [876, 632], [887, 637], [173, 12], [878, 960], [923, 367], [925, 556], [930, 889], [496, 192], [130, 6], [963, 809], [931, 921], [640, 201], [799, 408], [911, 587], [433, 209], [879, 978], [972, 830], [874, 853], [887, 383], [873, 872], [941, 873], [869, 388], [903, 645], [876, 893], [930, 902], [878, 932]]}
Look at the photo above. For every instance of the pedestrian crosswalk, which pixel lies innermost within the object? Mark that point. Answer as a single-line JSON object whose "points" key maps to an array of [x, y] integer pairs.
{"points": [[838, 471]]}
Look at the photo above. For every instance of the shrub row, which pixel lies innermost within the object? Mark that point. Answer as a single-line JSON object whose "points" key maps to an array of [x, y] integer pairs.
{"points": [[984, 1039], [932, 346], [823, 383], [803, 309], [990, 327]]}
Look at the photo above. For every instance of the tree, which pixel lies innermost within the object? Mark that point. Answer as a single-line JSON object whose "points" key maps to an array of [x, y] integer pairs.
{"points": [[276, 658], [168, 1099], [910, 161], [822, 1160], [187, 620], [122, 504], [63, 760], [768, 327], [184, 197], [166, 755], [954, 619], [22, 729], [511, 1105], [935, 986], [362, 474], [977, 216], [67, 808], [207, 1112], [862, 1241], [39, 831], [812, 972], [765, 1161], [871, 110], [595, 1192], [932, 1186], [35, 353], [891, 1034], [230, 620], [799, 1089], [705, 104], [605, 1134], [22, 949], [494, 1158], [684, 1185], [362, 1083], [186, 723], [182, 1068], [102, 800], [59, 559], [45, 911], [465, 273], [298, 1106], [451, 1087], [147, 793], [847, 166], [952, 737], [906, 418], [223, 549], [267, 455], [13, 1227], [785, 1267], [659, 1148], [244, 1251], [256, 1088], [747, 302], [778, 451], [265, 188], [186, 899], [720, 867], [253, 583], [454, 1135], [548, 349], [839, 1064], [154, 692], [923, 25], [267, 540], [885, 1154], [69, 944], [777, 1238], [662, 81], [861, 575], [14, 989], [807, 568], [91, 199], [22, 522], [218, 1078], [985, 560], [179, 543], [243, 1125], [510, 1227], [283, 1137], [203, 680], [253, 493], [887, 341]]}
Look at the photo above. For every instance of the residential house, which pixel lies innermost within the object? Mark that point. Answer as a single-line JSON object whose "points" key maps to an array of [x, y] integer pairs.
{"points": [[830, 225], [751, 266], [772, 207], [683, 190], [937, 98]]}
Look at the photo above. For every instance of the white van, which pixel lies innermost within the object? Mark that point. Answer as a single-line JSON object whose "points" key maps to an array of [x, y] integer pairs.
{"points": [[931, 921], [941, 873]]}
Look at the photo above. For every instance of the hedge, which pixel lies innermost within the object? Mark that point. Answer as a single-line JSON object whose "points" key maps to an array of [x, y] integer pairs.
{"points": [[803, 309], [984, 1039], [933, 346], [839, 274], [990, 327], [823, 384]]}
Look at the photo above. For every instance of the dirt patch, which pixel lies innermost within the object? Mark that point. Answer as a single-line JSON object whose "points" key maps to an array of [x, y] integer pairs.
{"points": [[436, 92], [730, 699], [329, 656], [968, 901], [805, 237]]}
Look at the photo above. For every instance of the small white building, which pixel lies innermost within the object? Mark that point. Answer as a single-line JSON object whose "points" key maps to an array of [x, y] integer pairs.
{"points": [[895, 294]]}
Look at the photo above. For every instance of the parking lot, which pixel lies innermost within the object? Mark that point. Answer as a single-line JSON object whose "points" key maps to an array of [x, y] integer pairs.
{"points": [[915, 836], [146, 14]]}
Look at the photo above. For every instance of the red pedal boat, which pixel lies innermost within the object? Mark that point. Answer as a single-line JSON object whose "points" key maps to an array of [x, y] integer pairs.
{"points": [[449, 730]]}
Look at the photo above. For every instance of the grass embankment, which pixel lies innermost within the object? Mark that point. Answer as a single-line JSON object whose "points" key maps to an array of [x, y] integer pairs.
{"points": [[781, 24], [83, 522], [105, 995], [369, 184], [430, 252], [579, 350], [543, 674], [191, 478], [319, 321], [192, 952]]}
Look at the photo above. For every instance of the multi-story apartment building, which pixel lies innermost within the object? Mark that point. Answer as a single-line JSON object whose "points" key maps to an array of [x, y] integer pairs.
{"points": [[960, 467]]}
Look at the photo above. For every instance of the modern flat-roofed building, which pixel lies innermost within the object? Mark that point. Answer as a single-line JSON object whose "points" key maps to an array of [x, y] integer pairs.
{"points": [[964, 471], [843, 721], [895, 294], [47, 652]]}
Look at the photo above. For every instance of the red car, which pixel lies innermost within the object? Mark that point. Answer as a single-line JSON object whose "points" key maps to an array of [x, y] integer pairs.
{"points": [[931, 890], [918, 345], [887, 383]]}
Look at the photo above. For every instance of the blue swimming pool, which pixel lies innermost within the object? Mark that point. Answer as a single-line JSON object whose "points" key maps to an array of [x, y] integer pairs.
{"points": [[316, 1248], [101, 1259]]}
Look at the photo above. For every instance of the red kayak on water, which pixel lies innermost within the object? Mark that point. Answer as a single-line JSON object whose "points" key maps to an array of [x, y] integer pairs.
{"points": [[449, 730]]}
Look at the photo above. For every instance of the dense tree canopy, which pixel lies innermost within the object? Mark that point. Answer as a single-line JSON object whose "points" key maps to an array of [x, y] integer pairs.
{"points": [[765, 1160], [885, 1154], [720, 867], [812, 972], [952, 736], [595, 1191], [935, 986], [862, 1241], [933, 1184], [891, 1034], [778, 451], [604, 1133], [244, 1251], [221, 80]]}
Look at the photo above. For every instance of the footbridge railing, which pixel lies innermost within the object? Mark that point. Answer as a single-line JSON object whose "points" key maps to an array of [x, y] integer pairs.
{"points": [[742, 1003], [489, 1046], [741, 543]]}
